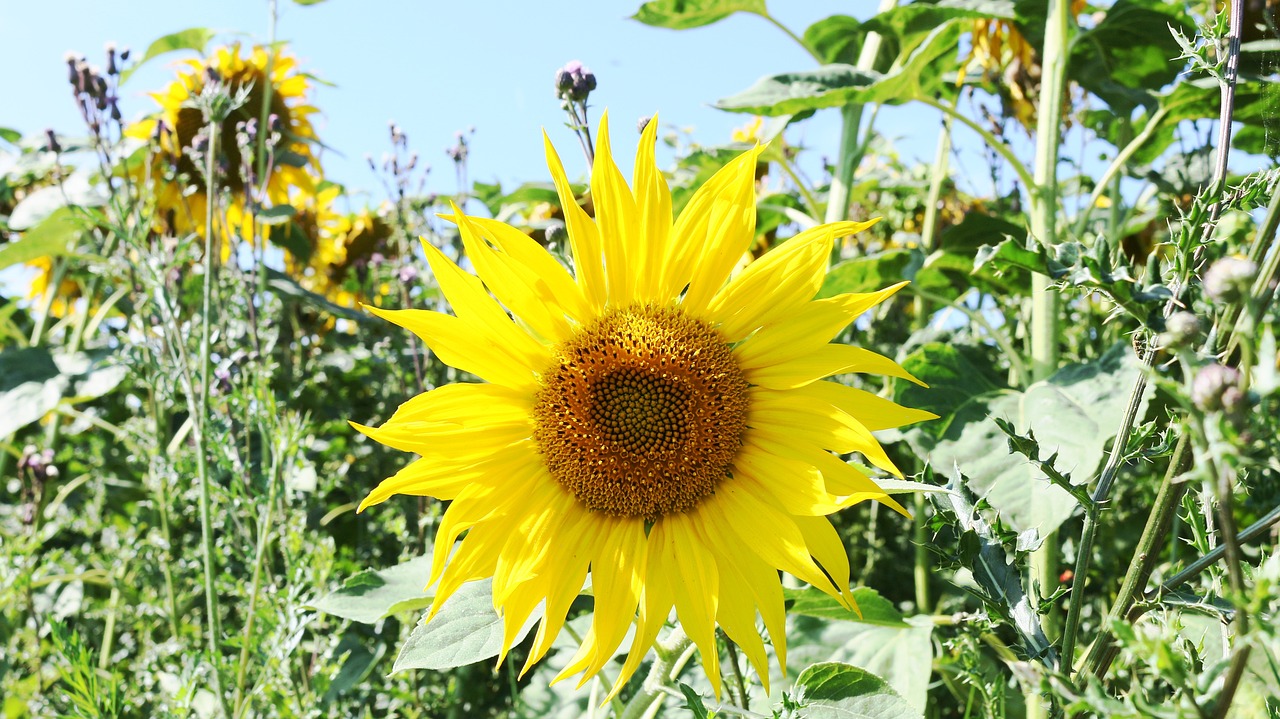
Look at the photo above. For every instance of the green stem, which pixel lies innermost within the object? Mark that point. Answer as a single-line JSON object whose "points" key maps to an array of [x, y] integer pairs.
{"points": [[1101, 493], [851, 146], [1021, 373], [920, 538], [264, 536], [214, 626], [1145, 556], [1044, 300], [1118, 163], [810, 203], [672, 654], [1001, 149]]}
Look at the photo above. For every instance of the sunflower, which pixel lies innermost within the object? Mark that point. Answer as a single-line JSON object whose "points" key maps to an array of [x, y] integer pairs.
{"points": [[181, 192], [648, 418], [67, 291], [343, 244]]}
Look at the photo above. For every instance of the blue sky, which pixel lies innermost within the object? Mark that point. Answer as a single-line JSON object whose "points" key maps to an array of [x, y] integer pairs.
{"points": [[439, 67]]}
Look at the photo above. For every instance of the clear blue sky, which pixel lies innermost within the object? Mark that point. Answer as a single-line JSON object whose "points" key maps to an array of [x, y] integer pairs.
{"points": [[439, 67]]}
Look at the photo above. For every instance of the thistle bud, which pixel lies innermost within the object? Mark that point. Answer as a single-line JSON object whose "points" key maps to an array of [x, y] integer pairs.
{"points": [[1229, 279], [1181, 330], [51, 141], [556, 234], [643, 123], [574, 82], [1216, 387], [112, 68]]}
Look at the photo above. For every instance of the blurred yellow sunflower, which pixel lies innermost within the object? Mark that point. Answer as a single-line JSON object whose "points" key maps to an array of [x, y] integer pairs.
{"points": [[180, 183], [67, 292], [344, 244], [650, 418]]}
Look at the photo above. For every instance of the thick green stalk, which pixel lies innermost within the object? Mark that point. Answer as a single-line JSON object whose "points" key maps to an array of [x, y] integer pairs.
{"points": [[851, 146], [214, 626], [1044, 300]]}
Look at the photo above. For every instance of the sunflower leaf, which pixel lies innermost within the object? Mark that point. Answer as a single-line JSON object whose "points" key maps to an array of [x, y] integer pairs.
{"points": [[685, 14], [877, 638], [372, 595], [53, 237], [466, 630], [831, 690], [195, 38], [33, 382]]}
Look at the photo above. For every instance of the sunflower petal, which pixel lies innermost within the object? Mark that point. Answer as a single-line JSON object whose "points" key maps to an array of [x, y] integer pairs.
{"points": [[653, 210], [584, 237], [826, 361], [775, 285], [617, 219], [468, 347], [807, 329]]}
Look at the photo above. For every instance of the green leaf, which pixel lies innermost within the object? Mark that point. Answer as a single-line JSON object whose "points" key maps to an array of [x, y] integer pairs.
{"points": [[871, 273], [685, 14], [831, 690], [879, 640], [307, 2], [195, 38], [996, 574], [1134, 36], [33, 382], [466, 630], [39, 205], [373, 595], [277, 215], [693, 702], [54, 237], [1074, 414], [955, 373], [10, 135], [837, 85], [287, 289]]}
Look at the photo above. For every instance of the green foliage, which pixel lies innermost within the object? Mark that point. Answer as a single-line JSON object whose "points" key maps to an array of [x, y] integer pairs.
{"points": [[832, 690], [685, 14]]}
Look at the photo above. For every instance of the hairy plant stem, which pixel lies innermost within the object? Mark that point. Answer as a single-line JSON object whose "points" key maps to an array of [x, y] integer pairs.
{"points": [[1044, 300], [672, 654], [740, 684], [214, 622]]}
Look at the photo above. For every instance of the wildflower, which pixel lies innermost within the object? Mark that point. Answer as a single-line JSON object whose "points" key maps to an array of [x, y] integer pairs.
{"points": [[648, 418]]}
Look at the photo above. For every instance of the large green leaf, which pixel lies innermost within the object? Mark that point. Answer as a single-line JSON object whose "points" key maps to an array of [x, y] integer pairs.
{"points": [[1073, 413], [53, 237], [878, 639], [872, 272], [955, 374], [466, 630], [1124, 59], [195, 38], [832, 690], [837, 85], [685, 14], [372, 595], [10, 135], [33, 382]]}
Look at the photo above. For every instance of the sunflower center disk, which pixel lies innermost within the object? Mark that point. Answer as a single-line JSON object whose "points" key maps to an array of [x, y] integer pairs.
{"points": [[643, 412]]}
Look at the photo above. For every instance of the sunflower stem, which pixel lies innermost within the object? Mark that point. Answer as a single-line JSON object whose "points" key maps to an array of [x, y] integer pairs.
{"points": [[1044, 300], [672, 654]]}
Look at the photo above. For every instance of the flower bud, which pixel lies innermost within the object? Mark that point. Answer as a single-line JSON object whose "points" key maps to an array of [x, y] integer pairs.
{"points": [[1181, 330], [112, 69], [1229, 279], [51, 141], [556, 234], [1216, 387]]}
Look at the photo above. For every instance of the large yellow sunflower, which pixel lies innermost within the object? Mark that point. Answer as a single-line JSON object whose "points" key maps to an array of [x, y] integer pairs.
{"points": [[649, 418], [180, 184]]}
